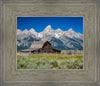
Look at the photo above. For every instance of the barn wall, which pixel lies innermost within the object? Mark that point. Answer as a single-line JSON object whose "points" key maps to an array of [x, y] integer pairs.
{"points": [[47, 48], [25, 53]]}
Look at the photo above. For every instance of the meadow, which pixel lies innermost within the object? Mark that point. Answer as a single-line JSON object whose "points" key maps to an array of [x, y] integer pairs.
{"points": [[49, 61]]}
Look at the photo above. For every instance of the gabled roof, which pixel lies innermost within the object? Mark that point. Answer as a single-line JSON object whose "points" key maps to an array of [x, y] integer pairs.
{"points": [[37, 45]]}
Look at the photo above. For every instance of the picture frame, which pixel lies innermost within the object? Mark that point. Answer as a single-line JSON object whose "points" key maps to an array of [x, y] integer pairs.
{"points": [[11, 75]]}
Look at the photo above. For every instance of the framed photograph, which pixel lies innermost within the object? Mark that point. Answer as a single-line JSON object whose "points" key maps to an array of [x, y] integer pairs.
{"points": [[50, 42]]}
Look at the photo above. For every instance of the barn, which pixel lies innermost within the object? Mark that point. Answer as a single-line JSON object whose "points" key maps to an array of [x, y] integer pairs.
{"points": [[40, 47]]}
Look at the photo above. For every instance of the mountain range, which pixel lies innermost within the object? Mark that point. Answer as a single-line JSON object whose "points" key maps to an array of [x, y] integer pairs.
{"points": [[62, 40]]}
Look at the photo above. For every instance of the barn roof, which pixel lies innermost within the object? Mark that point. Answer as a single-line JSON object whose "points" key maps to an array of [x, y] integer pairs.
{"points": [[37, 45]]}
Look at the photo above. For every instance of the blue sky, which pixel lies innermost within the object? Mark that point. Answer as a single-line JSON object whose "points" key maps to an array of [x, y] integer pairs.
{"points": [[40, 23]]}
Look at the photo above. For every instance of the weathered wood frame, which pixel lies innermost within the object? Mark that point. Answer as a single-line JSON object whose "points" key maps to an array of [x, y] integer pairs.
{"points": [[88, 9]]}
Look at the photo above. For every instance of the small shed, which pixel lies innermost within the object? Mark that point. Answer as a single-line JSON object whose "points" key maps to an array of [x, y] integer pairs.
{"points": [[40, 47]]}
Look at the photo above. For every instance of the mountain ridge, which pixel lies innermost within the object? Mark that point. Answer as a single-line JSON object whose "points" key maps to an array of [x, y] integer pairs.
{"points": [[48, 26], [58, 38]]}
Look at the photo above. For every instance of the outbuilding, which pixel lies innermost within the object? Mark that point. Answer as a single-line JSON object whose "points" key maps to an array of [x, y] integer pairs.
{"points": [[40, 47]]}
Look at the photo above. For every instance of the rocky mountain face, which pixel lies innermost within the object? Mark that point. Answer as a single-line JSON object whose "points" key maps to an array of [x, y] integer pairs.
{"points": [[63, 40]]}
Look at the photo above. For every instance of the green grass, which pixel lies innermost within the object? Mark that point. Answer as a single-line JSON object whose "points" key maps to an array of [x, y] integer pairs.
{"points": [[49, 61]]}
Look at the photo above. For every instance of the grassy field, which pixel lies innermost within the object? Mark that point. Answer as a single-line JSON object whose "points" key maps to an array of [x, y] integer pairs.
{"points": [[49, 61]]}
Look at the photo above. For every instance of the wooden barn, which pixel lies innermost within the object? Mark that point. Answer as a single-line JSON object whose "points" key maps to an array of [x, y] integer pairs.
{"points": [[39, 47]]}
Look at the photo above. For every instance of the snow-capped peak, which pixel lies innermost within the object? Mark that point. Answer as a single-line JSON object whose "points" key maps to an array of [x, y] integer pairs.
{"points": [[71, 30], [70, 33], [19, 30], [48, 29], [32, 30], [59, 29], [49, 26], [25, 31]]}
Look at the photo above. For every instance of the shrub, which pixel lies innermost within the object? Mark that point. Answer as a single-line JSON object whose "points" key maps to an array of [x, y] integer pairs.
{"points": [[46, 63], [54, 62]]}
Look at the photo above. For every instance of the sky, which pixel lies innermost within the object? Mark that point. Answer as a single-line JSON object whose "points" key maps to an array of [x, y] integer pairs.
{"points": [[40, 23]]}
